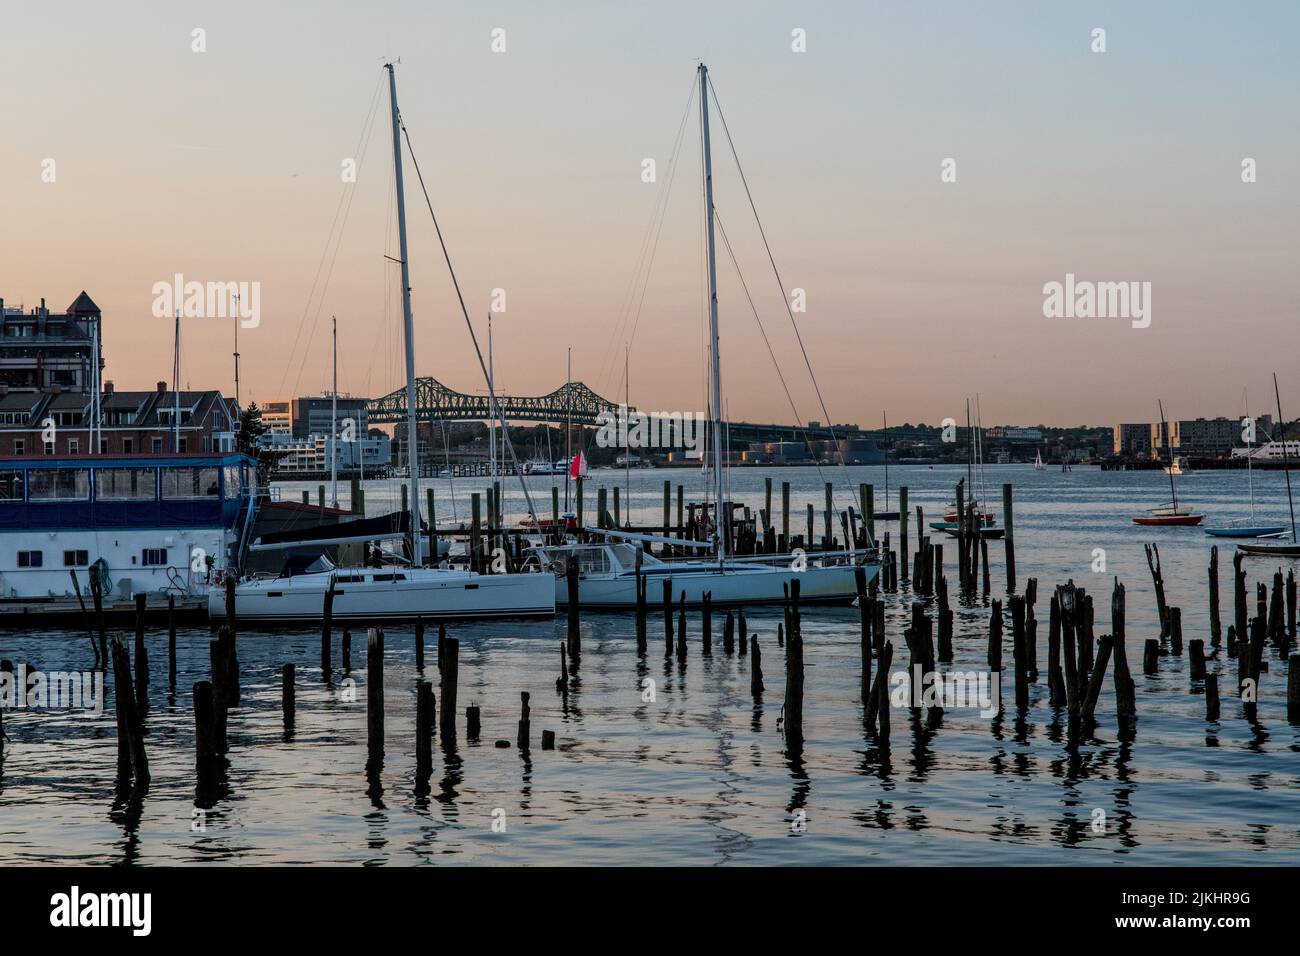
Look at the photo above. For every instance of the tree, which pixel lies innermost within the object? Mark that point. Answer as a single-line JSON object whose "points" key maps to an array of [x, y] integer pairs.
{"points": [[251, 429]]}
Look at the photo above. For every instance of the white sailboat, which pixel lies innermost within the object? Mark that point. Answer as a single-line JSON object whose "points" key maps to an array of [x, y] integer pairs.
{"points": [[608, 571], [1038, 460], [403, 592]]}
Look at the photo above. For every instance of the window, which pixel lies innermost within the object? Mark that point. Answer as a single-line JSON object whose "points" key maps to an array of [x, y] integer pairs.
{"points": [[128, 446], [181, 447], [49, 448], [103, 446], [157, 446], [189, 482], [154, 556], [125, 484], [75, 559], [20, 446], [59, 484], [233, 481], [11, 486], [74, 446], [31, 559]]}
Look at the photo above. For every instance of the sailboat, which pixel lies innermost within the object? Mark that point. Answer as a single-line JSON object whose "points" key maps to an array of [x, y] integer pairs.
{"points": [[1038, 460], [609, 570], [1278, 549], [1248, 527], [886, 515], [404, 592], [1172, 513]]}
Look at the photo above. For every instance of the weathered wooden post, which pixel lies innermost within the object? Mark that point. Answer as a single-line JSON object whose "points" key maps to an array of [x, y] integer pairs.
{"points": [[1055, 680], [706, 625], [375, 696], [205, 751], [475, 531], [572, 606], [326, 627], [794, 678], [668, 617], [1018, 652], [1151, 656], [423, 727], [742, 632], [1009, 536], [642, 585], [681, 629], [1215, 623], [1293, 689], [755, 669], [287, 701], [522, 740], [129, 720], [450, 675], [1196, 658], [473, 722], [419, 643], [785, 515], [729, 633], [1105, 644], [1212, 697], [1176, 630]]}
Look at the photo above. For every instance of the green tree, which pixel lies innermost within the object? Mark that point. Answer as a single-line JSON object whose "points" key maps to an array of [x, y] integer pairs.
{"points": [[251, 429]]}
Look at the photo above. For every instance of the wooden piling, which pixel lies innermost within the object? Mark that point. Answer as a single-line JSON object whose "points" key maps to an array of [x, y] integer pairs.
{"points": [[794, 678], [1212, 697], [205, 752], [668, 617], [572, 606], [523, 740], [1151, 656], [1105, 644], [1158, 581], [1125, 690], [375, 695], [130, 719], [1196, 658], [706, 625], [742, 630], [1215, 623], [326, 626], [681, 630], [642, 586], [287, 699], [548, 740], [729, 633], [450, 675], [220, 690], [1009, 537], [1293, 689], [1055, 679], [473, 722], [1176, 630], [423, 727], [755, 669], [1019, 655], [419, 644], [995, 637], [97, 596]]}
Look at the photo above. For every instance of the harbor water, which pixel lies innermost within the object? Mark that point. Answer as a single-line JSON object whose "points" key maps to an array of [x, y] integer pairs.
{"points": [[659, 762]]}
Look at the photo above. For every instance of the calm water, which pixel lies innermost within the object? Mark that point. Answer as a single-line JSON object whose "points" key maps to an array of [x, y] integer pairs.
{"points": [[700, 775]]}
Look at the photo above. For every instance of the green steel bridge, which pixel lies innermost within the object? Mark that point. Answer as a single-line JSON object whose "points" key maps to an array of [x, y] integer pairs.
{"points": [[572, 402]]}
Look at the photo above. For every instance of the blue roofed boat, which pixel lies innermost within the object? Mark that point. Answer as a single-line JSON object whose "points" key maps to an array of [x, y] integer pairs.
{"points": [[164, 525]]}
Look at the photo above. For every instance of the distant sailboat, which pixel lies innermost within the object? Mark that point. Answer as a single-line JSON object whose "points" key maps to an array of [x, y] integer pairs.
{"points": [[1038, 461], [1171, 514], [1278, 549], [886, 515], [1248, 527]]}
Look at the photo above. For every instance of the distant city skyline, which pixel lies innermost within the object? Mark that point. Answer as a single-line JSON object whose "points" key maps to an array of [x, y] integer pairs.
{"points": [[135, 158]]}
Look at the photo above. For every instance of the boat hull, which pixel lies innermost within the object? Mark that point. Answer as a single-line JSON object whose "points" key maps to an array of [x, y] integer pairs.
{"points": [[732, 588], [1262, 549], [1267, 531], [1170, 520], [427, 594]]}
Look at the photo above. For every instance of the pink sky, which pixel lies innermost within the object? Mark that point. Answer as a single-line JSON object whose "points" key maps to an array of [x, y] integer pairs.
{"points": [[1122, 166]]}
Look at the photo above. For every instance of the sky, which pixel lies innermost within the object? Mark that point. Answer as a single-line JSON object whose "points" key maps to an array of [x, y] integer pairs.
{"points": [[1117, 166]]}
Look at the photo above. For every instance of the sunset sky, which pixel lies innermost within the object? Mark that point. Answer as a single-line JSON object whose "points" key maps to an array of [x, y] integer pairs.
{"points": [[1126, 165]]}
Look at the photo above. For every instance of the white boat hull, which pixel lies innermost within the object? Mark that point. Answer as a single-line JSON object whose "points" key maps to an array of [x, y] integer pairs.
{"points": [[431, 594], [736, 586]]}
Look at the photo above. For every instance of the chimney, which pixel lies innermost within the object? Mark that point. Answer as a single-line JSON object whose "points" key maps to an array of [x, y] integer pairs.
{"points": [[162, 387], [108, 388]]}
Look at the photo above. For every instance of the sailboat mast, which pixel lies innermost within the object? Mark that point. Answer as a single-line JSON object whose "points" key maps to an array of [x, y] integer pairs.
{"points": [[1286, 462], [627, 434], [176, 387], [568, 426], [1169, 443], [408, 326], [492, 408], [719, 444], [884, 423], [1250, 479], [334, 416]]}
